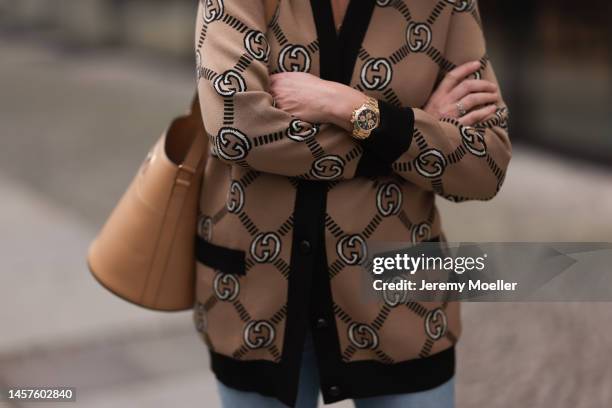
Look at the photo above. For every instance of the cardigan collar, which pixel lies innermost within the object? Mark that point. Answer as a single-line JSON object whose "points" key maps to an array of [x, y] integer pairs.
{"points": [[339, 50]]}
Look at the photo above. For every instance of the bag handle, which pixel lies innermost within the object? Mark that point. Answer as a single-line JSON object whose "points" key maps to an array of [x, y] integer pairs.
{"points": [[198, 150]]}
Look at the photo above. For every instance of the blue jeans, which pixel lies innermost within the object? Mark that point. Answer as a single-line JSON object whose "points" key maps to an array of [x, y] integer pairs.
{"points": [[442, 396]]}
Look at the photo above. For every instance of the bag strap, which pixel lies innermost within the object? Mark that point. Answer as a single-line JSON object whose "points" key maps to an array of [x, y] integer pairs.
{"points": [[199, 146]]}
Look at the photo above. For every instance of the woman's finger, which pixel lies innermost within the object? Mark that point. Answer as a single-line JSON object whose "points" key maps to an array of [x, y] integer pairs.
{"points": [[474, 100], [478, 115], [457, 75], [469, 86]]}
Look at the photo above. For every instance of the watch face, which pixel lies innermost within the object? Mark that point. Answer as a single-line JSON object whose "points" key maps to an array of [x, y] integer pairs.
{"points": [[367, 119]]}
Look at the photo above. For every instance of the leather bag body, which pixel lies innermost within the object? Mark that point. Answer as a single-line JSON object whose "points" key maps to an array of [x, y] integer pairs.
{"points": [[144, 253]]}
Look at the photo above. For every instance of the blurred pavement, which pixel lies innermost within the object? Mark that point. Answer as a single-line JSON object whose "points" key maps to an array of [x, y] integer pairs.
{"points": [[75, 126]]}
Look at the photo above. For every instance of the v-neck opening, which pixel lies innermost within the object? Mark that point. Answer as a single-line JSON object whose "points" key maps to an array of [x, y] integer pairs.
{"points": [[339, 48], [339, 24], [350, 15]]}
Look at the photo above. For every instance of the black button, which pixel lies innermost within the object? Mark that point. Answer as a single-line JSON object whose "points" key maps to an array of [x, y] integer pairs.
{"points": [[334, 391], [321, 323], [305, 247]]}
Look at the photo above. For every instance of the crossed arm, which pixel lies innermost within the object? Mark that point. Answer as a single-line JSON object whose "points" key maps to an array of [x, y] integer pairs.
{"points": [[316, 100], [296, 124]]}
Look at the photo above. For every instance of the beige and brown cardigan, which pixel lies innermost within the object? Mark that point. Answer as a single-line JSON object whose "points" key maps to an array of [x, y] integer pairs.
{"points": [[288, 207]]}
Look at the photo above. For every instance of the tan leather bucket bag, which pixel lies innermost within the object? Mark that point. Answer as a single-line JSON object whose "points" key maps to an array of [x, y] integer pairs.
{"points": [[145, 250], [144, 253]]}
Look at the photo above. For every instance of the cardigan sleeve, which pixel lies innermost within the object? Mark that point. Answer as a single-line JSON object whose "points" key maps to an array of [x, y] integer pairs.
{"points": [[457, 162], [244, 126]]}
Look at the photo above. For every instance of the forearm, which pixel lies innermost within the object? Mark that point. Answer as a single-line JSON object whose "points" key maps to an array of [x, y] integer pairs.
{"points": [[340, 104]]}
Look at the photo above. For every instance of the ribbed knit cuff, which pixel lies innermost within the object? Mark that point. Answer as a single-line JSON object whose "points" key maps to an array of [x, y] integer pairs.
{"points": [[393, 136]]}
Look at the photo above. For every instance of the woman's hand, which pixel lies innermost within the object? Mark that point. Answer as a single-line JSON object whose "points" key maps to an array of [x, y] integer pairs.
{"points": [[456, 92], [315, 100]]}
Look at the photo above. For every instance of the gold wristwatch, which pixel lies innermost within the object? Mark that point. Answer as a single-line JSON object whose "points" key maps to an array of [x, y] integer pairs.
{"points": [[365, 118]]}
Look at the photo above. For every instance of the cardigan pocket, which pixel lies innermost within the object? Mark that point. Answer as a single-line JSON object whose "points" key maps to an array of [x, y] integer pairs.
{"points": [[227, 260]]}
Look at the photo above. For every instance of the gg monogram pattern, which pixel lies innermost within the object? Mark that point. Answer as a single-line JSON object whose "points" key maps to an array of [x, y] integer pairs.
{"points": [[261, 154]]}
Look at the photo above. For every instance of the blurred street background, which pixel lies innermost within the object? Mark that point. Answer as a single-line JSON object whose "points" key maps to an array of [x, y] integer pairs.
{"points": [[86, 86]]}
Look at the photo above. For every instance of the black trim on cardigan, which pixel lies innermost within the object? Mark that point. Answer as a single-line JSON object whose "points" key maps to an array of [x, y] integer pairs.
{"points": [[258, 376], [351, 35], [328, 40], [338, 51], [265, 377], [393, 136], [366, 379], [309, 216], [325, 337], [225, 259]]}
